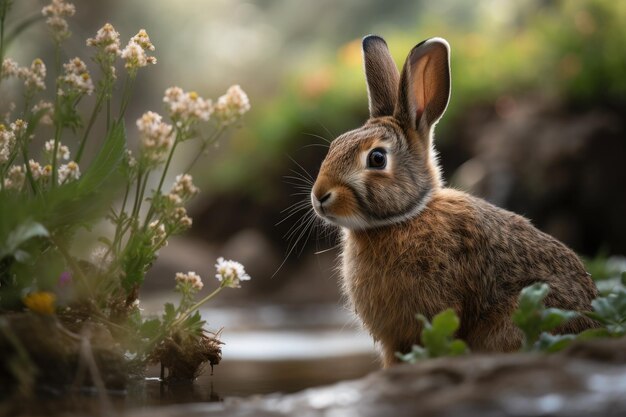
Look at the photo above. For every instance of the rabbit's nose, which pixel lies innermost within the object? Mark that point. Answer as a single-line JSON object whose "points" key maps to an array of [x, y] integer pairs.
{"points": [[324, 198]]}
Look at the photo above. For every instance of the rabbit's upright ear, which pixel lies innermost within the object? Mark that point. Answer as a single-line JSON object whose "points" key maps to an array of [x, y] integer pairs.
{"points": [[424, 89], [382, 76]]}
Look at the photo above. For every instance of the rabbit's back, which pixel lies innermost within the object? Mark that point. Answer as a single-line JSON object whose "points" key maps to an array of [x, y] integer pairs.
{"points": [[460, 252]]}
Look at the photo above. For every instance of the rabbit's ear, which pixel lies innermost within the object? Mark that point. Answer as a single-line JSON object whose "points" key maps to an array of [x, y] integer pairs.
{"points": [[382, 76], [424, 85]]}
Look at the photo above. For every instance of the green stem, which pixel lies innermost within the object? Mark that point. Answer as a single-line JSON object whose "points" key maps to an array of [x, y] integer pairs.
{"points": [[194, 307], [214, 137], [3, 15], [162, 180], [92, 119], [127, 92], [57, 116]]}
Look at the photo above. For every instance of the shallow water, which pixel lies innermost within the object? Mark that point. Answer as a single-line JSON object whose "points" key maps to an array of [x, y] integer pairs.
{"points": [[266, 349]]}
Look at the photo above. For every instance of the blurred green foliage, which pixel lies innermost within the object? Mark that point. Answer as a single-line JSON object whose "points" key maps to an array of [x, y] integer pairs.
{"points": [[568, 50]]}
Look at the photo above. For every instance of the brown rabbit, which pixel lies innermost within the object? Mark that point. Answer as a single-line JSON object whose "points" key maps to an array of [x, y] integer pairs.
{"points": [[409, 245]]}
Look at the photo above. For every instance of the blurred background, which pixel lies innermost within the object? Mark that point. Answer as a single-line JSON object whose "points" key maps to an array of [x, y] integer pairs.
{"points": [[536, 124]]}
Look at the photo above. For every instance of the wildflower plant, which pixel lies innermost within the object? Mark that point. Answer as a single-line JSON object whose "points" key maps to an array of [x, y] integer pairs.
{"points": [[48, 192]]}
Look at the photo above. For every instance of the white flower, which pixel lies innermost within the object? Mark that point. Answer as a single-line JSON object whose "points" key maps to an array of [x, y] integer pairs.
{"points": [[32, 77], [232, 105], [135, 51], [63, 152], [76, 77], [156, 136], [56, 11], [142, 39], [101, 256], [230, 273], [190, 278], [7, 140], [68, 172], [9, 68], [45, 109], [159, 235], [106, 39], [15, 178], [183, 189], [36, 169], [19, 127], [187, 106]]}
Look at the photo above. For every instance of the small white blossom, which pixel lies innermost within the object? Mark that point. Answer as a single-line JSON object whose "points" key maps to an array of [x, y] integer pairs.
{"points": [[7, 141], [186, 106], [9, 68], [76, 78], [56, 12], [32, 77], [15, 178], [63, 152], [230, 273], [101, 256], [45, 108], [159, 235], [107, 39], [183, 189], [190, 278], [36, 170], [232, 105], [68, 172], [19, 127], [156, 136], [135, 52]]}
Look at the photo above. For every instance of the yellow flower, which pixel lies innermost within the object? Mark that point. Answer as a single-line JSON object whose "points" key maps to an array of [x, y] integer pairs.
{"points": [[41, 302]]}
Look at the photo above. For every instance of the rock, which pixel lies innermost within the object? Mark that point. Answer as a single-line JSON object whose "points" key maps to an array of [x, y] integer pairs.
{"points": [[588, 379]]}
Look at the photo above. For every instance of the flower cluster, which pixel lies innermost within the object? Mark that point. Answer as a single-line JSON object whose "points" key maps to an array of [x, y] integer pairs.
{"points": [[136, 51], [15, 178], [107, 39], [230, 273], [7, 141], [232, 105], [187, 106], [39, 172], [107, 42], [190, 280], [76, 78], [32, 77], [44, 109], [158, 235], [56, 12], [183, 189], [156, 137], [63, 152], [68, 172]]}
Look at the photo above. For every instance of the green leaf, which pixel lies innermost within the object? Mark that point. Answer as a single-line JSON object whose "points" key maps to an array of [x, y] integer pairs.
{"points": [[591, 334], [624, 278], [554, 342], [150, 328], [611, 311], [554, 317], [437, 338], [169, 314]]}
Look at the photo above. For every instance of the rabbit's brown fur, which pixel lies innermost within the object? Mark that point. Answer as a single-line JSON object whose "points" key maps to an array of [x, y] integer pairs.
{"points": [[411, 246]]}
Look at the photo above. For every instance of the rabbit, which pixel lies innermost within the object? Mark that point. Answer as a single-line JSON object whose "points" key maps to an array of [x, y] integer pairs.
{"points": [[408, 244]]}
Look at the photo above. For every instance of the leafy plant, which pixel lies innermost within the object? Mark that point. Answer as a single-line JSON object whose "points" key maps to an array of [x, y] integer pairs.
{"points": [[533, 318], [44, 202], [611, 311], [437, 338]]}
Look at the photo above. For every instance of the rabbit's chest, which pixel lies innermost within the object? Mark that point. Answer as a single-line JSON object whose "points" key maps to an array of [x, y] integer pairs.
{"points": [[386, 290]]}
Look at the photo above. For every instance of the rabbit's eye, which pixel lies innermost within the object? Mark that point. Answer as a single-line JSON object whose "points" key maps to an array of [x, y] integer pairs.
{"points": [[377, 159]]}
